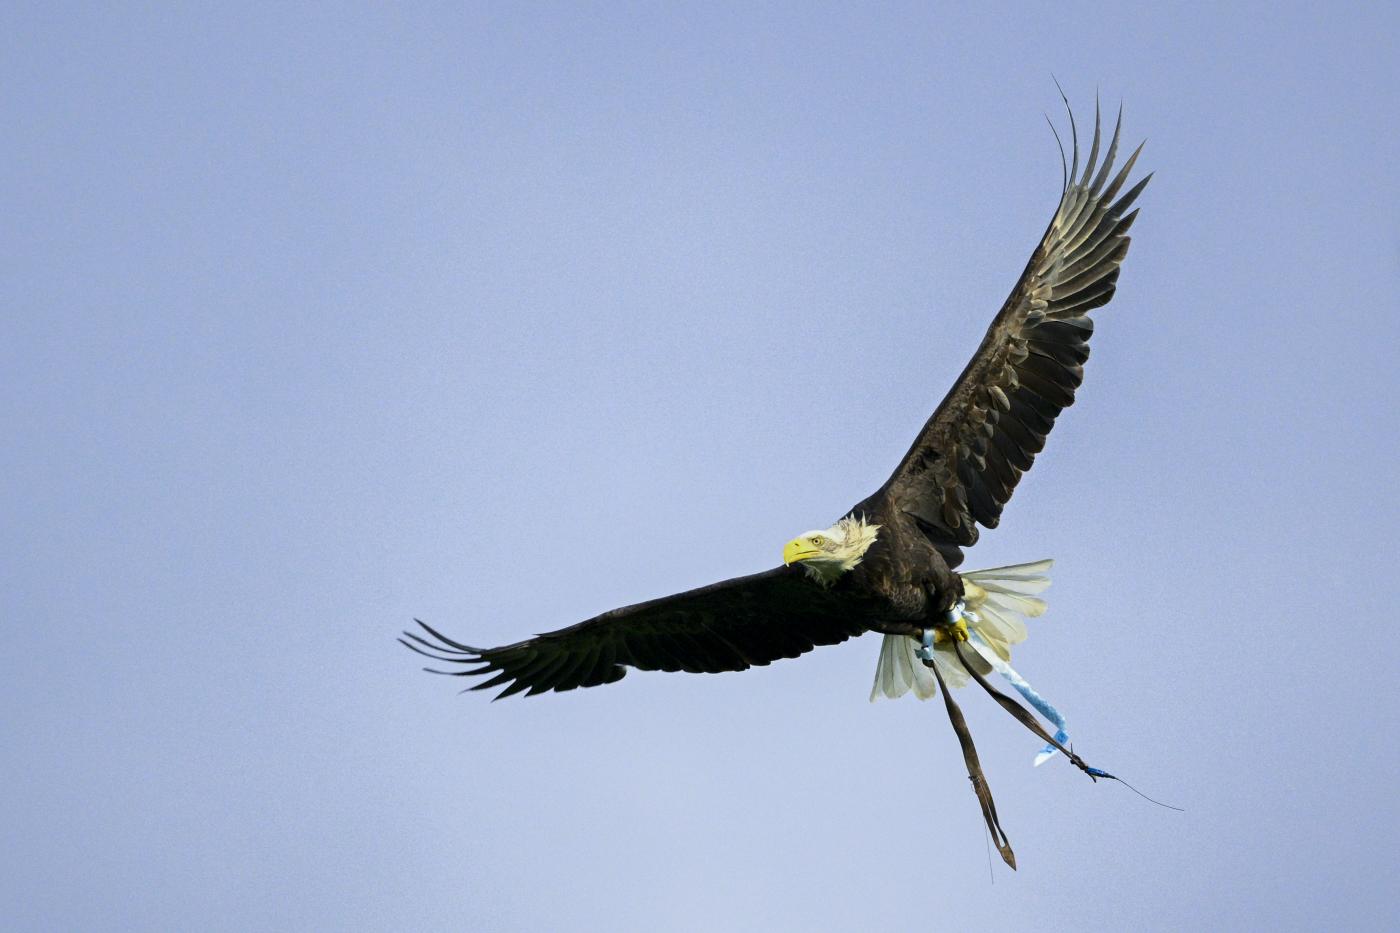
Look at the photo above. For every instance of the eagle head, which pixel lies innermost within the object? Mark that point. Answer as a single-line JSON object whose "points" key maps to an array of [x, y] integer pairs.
{"points": [[828, 553]]}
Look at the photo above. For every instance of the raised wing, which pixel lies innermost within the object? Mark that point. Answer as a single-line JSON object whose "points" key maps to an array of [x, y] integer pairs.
{"points": [[965, 463], [727, 626]]}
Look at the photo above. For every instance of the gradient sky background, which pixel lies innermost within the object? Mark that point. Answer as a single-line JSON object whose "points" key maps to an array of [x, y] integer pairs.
{"points": [[504, 315]]}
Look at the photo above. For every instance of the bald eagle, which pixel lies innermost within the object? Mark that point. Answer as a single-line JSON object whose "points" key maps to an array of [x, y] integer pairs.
{"points": [[888, 565]]}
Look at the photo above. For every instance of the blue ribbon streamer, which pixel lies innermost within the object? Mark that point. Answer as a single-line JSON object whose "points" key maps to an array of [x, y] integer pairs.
{"points": [[1022, 687]]}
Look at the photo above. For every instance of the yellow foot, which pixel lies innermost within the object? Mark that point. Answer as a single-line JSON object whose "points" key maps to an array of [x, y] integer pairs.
{"points": [[954, 632]]}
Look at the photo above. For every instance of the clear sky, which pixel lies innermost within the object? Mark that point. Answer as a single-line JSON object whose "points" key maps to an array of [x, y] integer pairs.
{"points": [[314, 321]]}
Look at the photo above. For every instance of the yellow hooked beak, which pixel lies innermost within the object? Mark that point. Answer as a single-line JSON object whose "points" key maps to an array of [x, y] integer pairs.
{"points": [[799, 549]]}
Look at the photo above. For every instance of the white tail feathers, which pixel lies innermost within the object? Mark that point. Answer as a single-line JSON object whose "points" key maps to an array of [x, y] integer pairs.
{"points": [[999, 597], [899, 670]]}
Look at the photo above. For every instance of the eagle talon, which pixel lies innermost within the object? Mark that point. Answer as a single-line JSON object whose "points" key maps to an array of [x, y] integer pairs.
{"points": [[953, 631], [955, 626]]}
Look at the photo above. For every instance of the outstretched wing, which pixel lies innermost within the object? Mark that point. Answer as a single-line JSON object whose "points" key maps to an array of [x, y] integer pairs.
{"points": [[726, 626], [965, 463]]}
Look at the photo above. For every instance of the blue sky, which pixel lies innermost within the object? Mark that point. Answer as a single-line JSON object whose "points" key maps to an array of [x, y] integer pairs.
{"points": [[503, 315]]}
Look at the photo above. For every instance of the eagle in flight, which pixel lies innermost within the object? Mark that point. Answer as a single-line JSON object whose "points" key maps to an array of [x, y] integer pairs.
{"points": [[888, 565]]}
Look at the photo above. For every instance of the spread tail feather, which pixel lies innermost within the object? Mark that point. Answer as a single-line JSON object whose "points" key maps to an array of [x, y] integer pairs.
{"points": [[1000, 598], [899, 669]]}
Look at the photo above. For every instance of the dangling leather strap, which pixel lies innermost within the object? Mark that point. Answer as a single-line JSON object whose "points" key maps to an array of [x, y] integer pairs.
{"points": [[1023, 715], [974, 770]]}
